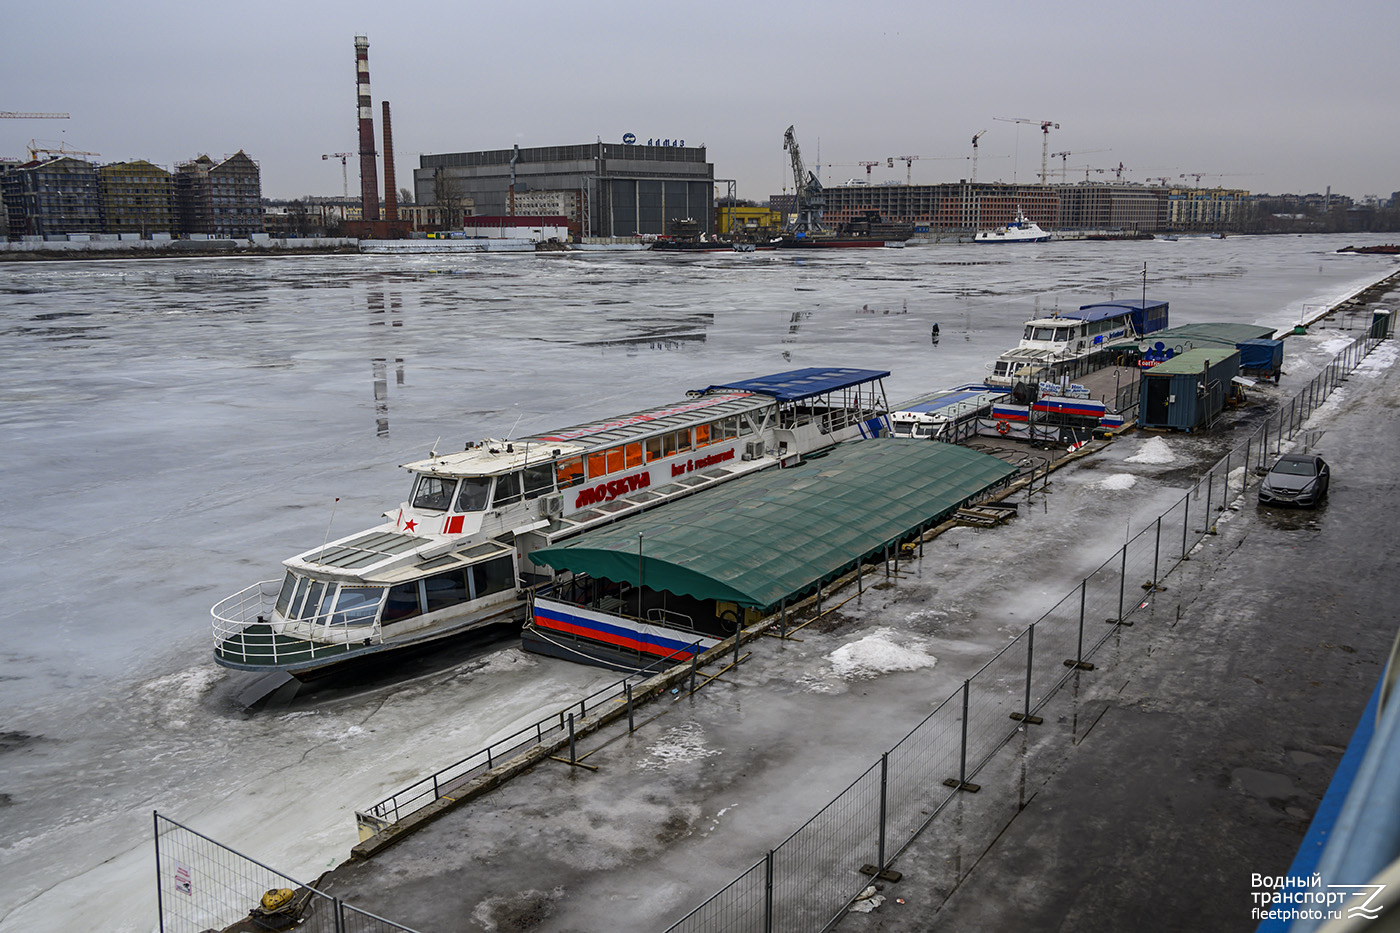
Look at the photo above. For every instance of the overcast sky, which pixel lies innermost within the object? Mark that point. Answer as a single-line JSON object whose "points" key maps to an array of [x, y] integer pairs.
{"points": [[1281, 96]]}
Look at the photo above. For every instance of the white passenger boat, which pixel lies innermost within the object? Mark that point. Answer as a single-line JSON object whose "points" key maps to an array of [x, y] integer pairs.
{"points": [[455, 556], [1052, 344], [1020, 230]]}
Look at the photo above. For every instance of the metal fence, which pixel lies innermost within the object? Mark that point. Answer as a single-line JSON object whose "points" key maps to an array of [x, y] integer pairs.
{"points": [[203, 885], [421, 793], [809, 879]]}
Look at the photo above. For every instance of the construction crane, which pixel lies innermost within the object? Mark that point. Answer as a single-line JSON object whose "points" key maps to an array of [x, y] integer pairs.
{"points": [[62, 150], [975, 137], [1045, 127], [1064, 157], [908, 166], [808, 195], [868, 167], [1199, 175], [14, 115], [344, 176]]}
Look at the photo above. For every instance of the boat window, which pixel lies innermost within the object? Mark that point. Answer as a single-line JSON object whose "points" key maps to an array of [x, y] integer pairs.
{"points": [[682, 439], [633, 453], [597, 464], [1062, 334], [702, 435], [493, 576], [539, 480], [1027, 334], [445, 589], [313, 600], [474, 494], [357, 605], [507, 489], [402, 602], [655, 448], [730, 426], [433, 492], [570, 472], [294, 608], [1044, 333], [284, 596], [615, 460]]}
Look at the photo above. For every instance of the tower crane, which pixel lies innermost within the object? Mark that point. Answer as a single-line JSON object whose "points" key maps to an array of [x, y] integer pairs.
{"points": [[344, 177], [1045, 127], [809, 197], [908, 166], [1064, 157], [975, 137], [62, 150], [868, 167]]}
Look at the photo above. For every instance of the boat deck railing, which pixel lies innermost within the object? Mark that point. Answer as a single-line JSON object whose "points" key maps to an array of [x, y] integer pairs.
{"points": [[243, 632]]}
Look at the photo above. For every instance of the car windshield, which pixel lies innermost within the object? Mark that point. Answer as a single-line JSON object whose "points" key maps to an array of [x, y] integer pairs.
{"points": [[1294, 467]]}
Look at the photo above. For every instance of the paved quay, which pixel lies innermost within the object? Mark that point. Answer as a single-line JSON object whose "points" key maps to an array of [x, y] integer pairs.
{"points": [[1191, 757], [1197, 753]]}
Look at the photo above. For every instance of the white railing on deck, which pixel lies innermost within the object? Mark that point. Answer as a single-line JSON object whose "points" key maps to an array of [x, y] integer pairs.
{"points": [[253, 605]]}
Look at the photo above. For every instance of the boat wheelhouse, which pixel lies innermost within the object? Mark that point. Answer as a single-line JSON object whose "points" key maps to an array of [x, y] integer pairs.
{"points": [[936, 416], [1052, 346], [454, 556]]}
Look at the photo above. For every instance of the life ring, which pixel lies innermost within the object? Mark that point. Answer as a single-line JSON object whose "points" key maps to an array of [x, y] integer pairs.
{"points": [[1003, 428]]}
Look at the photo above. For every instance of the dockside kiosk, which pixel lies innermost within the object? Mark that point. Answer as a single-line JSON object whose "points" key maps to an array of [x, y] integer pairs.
{"points": [[1187, 391]]}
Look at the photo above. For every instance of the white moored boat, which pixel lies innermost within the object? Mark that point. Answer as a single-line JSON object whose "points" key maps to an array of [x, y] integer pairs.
{"points": [[1020, 230], [1055, 343], [455, 556]]}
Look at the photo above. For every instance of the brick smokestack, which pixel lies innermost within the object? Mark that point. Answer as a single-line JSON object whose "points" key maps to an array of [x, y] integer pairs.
{"points": [[369, 176], [391, 194]]}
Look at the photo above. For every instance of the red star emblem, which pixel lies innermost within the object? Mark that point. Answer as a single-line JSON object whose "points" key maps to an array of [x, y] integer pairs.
{"points": [[410, 525]]}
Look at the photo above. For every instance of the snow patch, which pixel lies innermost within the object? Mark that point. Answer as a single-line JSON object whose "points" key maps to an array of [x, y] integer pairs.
{"points": [[684, 743], [1154, 450], [1381, 358], [880, 652], [1118, 481]]}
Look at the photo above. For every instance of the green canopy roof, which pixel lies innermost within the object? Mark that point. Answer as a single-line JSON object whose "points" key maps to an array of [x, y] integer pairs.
{"points": [[761, 538]]}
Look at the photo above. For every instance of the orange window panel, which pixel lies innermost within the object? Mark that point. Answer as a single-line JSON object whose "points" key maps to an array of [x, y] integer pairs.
{"points": [[634, 454], [702, 435], [570, 472], [615, 460], [597, 464]]}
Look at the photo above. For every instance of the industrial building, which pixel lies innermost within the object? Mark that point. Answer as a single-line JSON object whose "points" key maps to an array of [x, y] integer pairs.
{"points": [[965, 206], [605, 189]]}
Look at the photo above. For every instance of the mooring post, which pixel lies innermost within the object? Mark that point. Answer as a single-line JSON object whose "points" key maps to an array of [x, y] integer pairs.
{"points": [[573, 758], [737, 632], [860, 584], [630, 726], [887, 561], [783, 624]]}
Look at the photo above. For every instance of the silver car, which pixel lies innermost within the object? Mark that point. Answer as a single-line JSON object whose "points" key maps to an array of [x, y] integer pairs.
{"points": [[1295, 479]]}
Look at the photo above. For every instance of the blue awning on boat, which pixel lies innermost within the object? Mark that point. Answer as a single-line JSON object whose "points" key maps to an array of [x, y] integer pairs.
{"points": [[798, 384]]}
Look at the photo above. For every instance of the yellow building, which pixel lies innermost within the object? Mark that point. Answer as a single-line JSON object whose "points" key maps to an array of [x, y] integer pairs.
{"points": [[136, 197]]}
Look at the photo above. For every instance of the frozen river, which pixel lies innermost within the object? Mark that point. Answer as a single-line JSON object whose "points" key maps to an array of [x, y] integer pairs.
{"points": [[178, 427]]}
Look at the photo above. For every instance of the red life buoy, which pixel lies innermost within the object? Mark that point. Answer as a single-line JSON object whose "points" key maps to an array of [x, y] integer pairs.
{"points": [[1003, 428]]}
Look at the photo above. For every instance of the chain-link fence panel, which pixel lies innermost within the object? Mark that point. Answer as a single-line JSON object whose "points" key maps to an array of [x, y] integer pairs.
{"points": [[741, 907]]}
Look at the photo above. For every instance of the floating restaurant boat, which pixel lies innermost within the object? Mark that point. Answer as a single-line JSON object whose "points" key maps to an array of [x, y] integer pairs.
{"points": [[1051, 346], [1020, 230], [455, 556]]}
